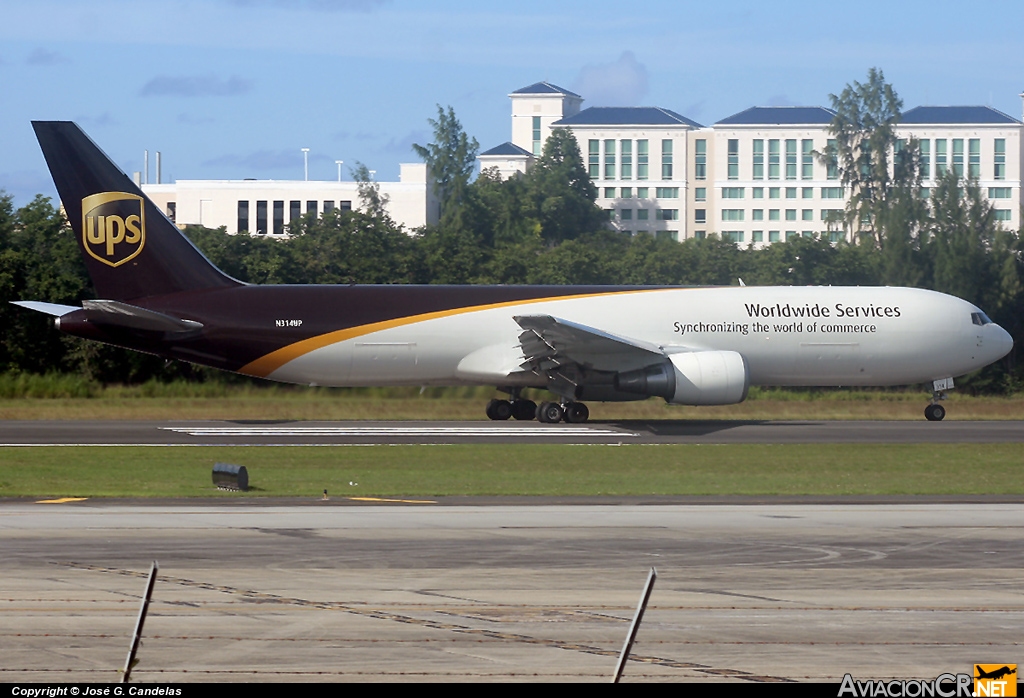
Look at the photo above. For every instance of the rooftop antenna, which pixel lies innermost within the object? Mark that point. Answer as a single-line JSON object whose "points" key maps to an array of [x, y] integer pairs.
{"points": [[339, 163], [305, 163]]}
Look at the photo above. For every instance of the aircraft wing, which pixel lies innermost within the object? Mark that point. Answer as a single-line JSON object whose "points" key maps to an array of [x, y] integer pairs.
{"points": [[548, 343]]}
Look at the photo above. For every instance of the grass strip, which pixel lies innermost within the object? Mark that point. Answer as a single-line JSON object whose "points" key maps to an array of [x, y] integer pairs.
{"points": [[424, 471]]}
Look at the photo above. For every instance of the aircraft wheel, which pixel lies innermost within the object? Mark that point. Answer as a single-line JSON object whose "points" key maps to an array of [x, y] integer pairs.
{"points": [[524, 409], [576, 413], [934, 413], [549, 412], [499, 410]]}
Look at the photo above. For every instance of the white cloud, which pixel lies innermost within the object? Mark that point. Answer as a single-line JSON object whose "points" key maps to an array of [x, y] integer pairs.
{"points": [[619, 84]]}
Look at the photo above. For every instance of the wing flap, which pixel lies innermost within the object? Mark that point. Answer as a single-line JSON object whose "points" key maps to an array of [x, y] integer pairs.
{"points": [[549, 343]]}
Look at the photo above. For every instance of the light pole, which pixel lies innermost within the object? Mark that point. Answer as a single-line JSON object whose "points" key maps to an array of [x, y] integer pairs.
{"points": [[305, 162], [372, 173], [339, 163]]}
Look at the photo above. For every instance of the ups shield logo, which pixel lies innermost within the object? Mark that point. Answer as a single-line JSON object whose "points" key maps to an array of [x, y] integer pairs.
{"points": [[113, 227]]}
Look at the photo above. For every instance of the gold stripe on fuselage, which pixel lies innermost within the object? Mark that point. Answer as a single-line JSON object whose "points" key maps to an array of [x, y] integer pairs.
{"points": [[268, 363]]}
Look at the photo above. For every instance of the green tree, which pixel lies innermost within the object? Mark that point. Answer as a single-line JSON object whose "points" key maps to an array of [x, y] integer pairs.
{"points": [[562, 193], [864, 131], [450, 160], [374, 203]]}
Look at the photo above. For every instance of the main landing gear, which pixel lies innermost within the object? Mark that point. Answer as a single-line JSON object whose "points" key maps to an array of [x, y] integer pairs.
{"points": [[547, 412], [935, 412], [500, 410]]}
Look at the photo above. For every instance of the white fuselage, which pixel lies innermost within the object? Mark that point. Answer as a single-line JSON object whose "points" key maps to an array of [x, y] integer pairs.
{"points": [[799, 336]]}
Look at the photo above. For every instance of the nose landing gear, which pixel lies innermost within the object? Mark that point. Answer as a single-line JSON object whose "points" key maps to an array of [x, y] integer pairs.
{"points": [[935, 412]]}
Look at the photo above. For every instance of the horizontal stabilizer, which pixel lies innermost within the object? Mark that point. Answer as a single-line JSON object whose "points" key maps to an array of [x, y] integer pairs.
{"points": [[55, 309], [118, 314]]}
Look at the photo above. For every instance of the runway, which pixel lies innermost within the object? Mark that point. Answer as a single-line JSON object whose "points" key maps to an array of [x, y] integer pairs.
{"points": [[155, 433], [751, 593]]}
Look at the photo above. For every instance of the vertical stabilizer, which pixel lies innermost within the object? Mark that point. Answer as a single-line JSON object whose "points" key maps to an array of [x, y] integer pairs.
{"points": [[129, 246]]}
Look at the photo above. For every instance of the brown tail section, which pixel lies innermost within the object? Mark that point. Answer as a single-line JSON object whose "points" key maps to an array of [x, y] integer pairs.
{"points": [[130, 248]]}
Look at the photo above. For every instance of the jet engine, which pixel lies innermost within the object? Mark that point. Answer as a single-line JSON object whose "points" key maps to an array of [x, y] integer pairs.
{"points": [[692, 378]]}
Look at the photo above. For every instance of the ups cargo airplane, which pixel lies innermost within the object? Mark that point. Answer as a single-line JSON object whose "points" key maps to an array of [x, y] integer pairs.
{"points": [[157, 293]]}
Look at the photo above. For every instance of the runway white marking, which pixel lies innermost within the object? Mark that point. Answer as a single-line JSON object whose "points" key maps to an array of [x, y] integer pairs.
{"points": [[485, 431]]}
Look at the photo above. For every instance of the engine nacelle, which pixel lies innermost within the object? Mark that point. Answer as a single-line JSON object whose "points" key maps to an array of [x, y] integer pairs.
{"points": [[692, 378]]}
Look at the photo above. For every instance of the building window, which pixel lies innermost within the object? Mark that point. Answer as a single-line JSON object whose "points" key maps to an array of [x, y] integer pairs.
{"points": [[807, 214], [243, 216], [831, 192], [807, 193], [627, 214], [925, 147], [790, 192], [807, 159], [278, 217], [732, 214], [261, 217], [757, 236], [311, 207], [773, 214], [757, 192], [773, 158], [609, 192], [733, 192], [667, 235], [734, 158], [346, 205], [1000, 159], [641, 192], [999, 192], [832, 171], [328, 206], [974, 158], [790, 214], [626, 193], [1003, 214], [641, 159], [609, 159], [773, 192], [790, 158], [666, 159], [940, 157], [700, 159], [773, 236], [642, 214], [791, 235], [666, 214], [700, 215], [832, 215], [700, 194], [958, 156], [757, 214], [836, 236], [732, 235], [758, 158], [594, 158], [667, 192], [294, 211], [700, 234], [536, 137], [626, 153]]}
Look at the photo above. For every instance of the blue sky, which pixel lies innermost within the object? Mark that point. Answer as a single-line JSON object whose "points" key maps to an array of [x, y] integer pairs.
{"points": [[234, 88]]}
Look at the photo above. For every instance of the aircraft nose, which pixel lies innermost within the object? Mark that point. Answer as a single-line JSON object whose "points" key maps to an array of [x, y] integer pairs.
{"points": [[1000, 341]]}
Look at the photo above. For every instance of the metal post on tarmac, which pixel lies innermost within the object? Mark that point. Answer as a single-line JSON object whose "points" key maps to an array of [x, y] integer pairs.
{"points": [[637, 618], [130, 661]]}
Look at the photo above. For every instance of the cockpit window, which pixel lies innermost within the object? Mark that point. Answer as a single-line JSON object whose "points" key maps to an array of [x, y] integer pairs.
{"points": [[980, 318]]}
